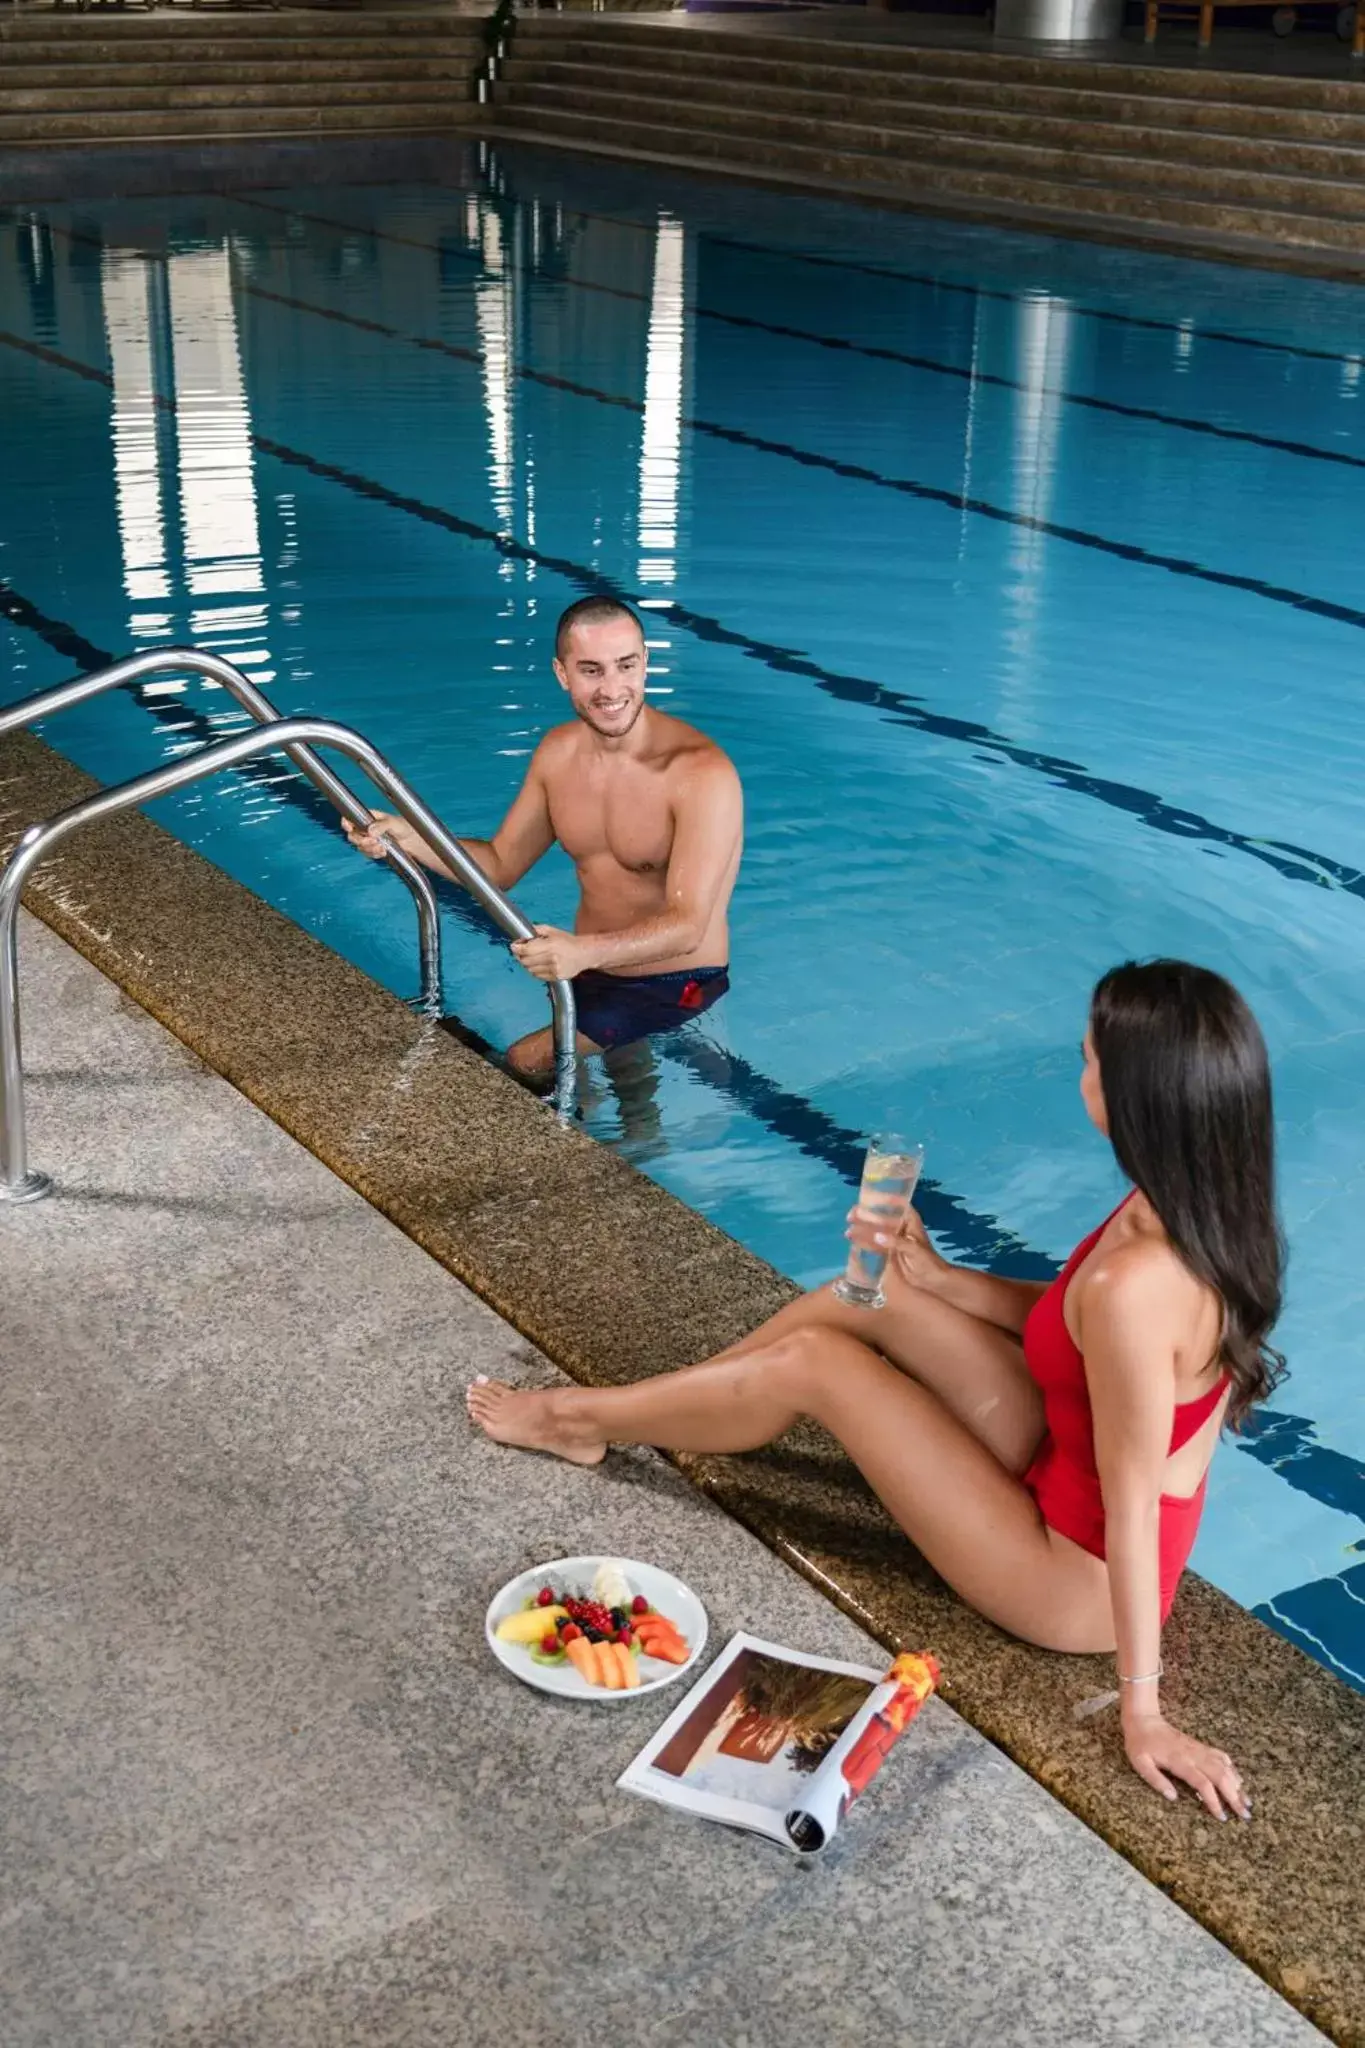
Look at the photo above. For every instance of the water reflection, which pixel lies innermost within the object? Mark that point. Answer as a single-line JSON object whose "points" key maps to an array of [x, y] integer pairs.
{"points": [[33, 240], [1043, 341], [661, 438], [181, 431], [136, 427], [219, 521], [495, 313]]}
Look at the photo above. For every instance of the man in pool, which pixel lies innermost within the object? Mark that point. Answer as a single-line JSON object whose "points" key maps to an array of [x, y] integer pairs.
{"points": [[651, 813]]}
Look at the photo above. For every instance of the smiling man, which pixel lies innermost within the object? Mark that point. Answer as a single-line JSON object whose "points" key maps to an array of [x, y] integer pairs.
{"points": [[651, 813]]}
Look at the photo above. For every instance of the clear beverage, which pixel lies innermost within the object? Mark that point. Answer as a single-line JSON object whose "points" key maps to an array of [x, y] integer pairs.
{"points": [[890, 1172]]}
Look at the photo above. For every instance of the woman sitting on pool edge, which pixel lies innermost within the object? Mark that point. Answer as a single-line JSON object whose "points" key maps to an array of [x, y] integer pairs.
{"points": [[1045, 1447]]}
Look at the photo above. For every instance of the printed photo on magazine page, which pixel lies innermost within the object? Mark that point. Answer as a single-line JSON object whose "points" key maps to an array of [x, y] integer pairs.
{"points": [[778, 1742]]}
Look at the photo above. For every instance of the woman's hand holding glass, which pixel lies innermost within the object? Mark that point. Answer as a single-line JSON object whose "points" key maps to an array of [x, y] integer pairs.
{"points": [[907, 1249]]}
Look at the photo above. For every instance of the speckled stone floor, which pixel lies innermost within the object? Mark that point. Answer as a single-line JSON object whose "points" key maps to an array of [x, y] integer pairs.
{"points": [[572, 1247], [261, 1782]]}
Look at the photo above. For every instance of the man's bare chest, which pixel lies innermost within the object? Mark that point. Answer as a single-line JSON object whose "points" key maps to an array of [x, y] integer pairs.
{"points": [[630, 825]]}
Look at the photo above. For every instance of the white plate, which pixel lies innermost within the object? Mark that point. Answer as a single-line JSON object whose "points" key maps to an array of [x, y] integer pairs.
{"points": [[575, 1575]]}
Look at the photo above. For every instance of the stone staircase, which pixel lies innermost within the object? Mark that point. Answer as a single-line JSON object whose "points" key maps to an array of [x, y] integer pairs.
{"points": [[72, 79], [1201, 157]]}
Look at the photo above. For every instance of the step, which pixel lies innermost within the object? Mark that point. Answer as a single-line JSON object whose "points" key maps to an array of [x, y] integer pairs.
{"points": [[1332, 192], [88, 104], [1218, 128], [911, 180], [233, 123], [833, 87], [690, 50], [266, 59], [165, 29], [299, 49], [71, 78]]}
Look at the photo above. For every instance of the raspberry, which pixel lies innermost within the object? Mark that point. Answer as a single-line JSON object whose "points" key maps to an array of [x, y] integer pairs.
{"points": [[639, 1605], [549, 1646], [545, 1597], [569, 1632]]}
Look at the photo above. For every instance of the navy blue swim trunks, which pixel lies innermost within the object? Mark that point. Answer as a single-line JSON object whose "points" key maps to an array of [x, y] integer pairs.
{"points": [[616, 1009]]}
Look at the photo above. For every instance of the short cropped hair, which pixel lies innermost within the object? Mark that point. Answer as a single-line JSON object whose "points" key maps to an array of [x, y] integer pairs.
{"points": [[592, 611]]}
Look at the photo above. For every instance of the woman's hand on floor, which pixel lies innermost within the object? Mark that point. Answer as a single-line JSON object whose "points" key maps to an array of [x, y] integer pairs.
{"points": [[1158, 1753]]}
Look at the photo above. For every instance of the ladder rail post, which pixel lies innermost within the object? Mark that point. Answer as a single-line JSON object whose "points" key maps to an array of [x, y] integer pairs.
{"points": [[18, 1183]]}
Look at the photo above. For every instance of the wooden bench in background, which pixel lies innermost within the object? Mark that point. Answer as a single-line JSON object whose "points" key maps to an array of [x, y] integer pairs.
{"points": [[1351, 15]]}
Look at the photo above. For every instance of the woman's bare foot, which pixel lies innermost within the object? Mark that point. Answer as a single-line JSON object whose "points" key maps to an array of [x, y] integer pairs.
{"points": [[531, 1421]]}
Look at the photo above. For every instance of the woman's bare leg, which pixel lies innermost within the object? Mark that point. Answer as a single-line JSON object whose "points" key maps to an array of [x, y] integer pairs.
{"points": [[958, 1504], [976, 1369]]}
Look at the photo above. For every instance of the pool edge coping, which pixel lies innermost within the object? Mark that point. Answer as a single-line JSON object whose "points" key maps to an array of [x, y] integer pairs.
{"points": [[473, 1170], [1197, 245]]}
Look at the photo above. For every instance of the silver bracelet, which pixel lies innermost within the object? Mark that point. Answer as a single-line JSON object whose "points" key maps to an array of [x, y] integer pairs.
{"points": [[1145, 1678]]}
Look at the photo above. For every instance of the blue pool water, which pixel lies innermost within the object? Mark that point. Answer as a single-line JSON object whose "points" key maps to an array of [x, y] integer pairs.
{"points": [[1021, 579]]}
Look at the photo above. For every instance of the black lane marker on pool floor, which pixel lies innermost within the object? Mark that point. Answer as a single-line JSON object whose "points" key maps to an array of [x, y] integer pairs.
{"points": [[1185, 330], [911, 487], [853, 472], [873, 352], [1295, 863], [968, 1233], [957, 501]]}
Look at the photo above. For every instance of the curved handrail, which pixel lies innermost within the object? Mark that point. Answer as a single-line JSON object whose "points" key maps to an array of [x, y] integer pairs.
{"points": [[17, 1182], [174, 661]]}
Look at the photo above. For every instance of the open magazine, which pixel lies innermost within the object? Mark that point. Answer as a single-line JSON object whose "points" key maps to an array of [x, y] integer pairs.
{"points": [[779, 1742]]}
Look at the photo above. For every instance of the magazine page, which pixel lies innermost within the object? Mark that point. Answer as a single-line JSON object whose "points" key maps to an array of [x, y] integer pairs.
{"points": [[745, 1744]]}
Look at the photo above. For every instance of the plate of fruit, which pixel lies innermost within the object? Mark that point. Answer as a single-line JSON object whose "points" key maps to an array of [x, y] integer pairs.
{"points": [[596, 1628]]}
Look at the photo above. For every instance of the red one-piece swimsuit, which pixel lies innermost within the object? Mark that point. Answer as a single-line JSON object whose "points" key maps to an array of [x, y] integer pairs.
{"points": [[1063, 1478]]}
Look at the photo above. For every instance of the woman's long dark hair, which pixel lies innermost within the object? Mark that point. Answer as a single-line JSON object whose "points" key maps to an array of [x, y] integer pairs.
{"points": [[1187, 1091]]}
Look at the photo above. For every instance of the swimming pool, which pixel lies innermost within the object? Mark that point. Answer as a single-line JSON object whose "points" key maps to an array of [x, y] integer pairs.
{"points": [[1019, 577]]}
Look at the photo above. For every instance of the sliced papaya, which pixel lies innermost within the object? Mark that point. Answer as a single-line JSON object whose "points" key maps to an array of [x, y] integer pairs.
{"points": [[651, 1631], [580, 1655], [669, 1649], [614, 1659], [654, 1620]]}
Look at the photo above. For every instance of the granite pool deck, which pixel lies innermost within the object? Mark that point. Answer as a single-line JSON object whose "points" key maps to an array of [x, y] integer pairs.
{"points": [[610, 1277], [260, 1782]]}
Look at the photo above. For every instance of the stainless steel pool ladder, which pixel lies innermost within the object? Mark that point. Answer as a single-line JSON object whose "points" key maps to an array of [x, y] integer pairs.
{"points": [[295, 737], [162, 661]]}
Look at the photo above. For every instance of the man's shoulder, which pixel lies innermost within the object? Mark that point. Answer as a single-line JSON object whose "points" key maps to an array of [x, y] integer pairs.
{"points": [[558, 744], [689, 751]]}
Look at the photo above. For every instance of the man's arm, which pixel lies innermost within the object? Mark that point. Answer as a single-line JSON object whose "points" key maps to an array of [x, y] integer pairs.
{"points": [[707, 828], [523, 836]]}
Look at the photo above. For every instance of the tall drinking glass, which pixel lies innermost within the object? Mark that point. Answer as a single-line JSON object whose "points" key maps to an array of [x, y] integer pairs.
{"points": [[890, 1172]]}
